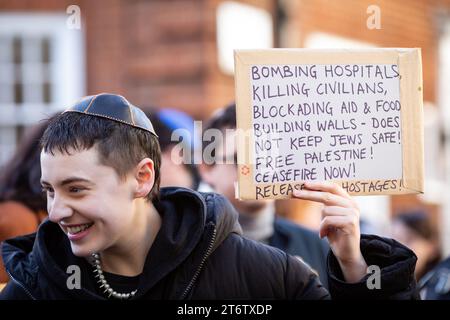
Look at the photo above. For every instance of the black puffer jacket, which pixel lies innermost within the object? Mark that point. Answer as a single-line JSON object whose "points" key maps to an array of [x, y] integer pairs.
{"points": [[435, 285], [199, 254]]}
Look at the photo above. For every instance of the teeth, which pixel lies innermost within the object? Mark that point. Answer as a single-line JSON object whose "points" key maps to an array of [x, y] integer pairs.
{"points": [[78, 229]]}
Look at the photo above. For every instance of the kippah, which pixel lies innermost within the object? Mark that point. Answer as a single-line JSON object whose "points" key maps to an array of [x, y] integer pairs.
{"points": [[113, 107]]}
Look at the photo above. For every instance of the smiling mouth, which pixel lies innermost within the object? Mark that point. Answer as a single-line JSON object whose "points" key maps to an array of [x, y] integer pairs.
{"points": [[79, 228]]}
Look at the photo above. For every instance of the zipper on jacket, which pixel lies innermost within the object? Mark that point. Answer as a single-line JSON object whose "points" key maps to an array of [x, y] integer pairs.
{"points": [[200, 267], [21, 285]]}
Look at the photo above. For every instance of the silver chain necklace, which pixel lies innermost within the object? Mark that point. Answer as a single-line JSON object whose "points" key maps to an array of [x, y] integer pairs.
{"points": [[104, 284]]}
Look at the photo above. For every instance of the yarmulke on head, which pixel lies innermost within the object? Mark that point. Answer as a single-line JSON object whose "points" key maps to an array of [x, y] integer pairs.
{"points": [[121, 133], [113, 107]]}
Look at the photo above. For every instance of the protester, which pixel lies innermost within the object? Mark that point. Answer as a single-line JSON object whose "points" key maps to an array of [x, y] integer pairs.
{"points": [[100, 165], [22, 202], [414, 229], [435, 285], [258, 218], [177, 152]]}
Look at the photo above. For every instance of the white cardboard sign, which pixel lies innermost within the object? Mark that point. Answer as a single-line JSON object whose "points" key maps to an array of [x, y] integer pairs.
{"points": [[346, 116]]}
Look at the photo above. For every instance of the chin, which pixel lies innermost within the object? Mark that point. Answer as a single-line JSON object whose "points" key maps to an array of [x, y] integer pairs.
{"points": [[82, 251]]}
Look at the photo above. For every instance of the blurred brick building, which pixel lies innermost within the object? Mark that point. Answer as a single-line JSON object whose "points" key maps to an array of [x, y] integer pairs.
{"points": [[166, 53]]}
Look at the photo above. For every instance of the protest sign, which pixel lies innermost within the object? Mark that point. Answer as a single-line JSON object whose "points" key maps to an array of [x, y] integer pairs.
{"points": [[354, 117]]}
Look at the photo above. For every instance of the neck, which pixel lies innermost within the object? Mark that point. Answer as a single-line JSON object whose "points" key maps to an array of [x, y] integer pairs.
{"points": [[258, 225], [129, 257]]}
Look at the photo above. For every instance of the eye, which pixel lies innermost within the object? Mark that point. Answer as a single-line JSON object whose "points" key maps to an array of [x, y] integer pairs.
{"points": [[48, 190], [75, 189]]}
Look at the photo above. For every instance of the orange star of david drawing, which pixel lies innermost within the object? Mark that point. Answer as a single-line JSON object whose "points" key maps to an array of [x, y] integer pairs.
{"points": [[245, 170]]}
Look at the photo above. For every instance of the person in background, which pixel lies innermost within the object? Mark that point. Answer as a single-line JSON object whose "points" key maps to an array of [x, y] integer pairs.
{"points": [[414, 230], [435, 285], [175, 170], [22, 202], [258, 218]]}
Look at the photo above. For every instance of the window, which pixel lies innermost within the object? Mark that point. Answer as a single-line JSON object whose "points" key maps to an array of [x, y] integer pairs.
{"points": [[41, 72], [241, 26]]}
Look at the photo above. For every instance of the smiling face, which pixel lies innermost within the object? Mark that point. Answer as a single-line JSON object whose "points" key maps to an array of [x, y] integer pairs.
{"points": [[91, 204]]}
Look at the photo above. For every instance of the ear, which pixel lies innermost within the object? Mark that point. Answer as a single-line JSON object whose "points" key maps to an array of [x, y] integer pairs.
{"points": [[145, 177]]}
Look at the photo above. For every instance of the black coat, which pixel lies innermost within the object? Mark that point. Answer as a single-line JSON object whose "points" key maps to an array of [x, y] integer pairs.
{"points": [[199, 254], [302, 242]]}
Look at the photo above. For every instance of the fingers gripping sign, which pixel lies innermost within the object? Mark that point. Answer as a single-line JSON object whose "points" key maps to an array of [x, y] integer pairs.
{"points": [[340, 224]]}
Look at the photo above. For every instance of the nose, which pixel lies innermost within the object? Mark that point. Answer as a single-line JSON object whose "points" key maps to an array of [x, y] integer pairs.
{"points": [[58, 209]]}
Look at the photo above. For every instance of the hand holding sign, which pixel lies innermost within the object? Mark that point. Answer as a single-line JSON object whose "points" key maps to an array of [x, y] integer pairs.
{"points": [[340, 224]]}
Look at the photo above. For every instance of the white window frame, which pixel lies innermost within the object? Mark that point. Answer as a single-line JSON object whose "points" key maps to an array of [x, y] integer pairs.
{"points": [[67, 73], [241, 26]]}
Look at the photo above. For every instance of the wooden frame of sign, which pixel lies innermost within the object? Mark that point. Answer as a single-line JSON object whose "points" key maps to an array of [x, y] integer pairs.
{"points": [[351, 116]]}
